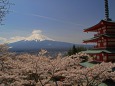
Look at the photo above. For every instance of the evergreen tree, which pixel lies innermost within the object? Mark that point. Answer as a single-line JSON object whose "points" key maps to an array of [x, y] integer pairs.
{"points": [[75, 50]]}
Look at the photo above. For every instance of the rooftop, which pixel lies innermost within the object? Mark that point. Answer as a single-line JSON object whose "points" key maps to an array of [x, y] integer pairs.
{"points": [[94, 39], [99, 51], [89, 64], [100, 24]]}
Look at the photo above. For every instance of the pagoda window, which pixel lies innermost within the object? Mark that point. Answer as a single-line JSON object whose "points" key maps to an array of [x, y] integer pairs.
{"points": [[105, 43], [104, 31], [104, 58], [98, 44], [98, 57], [94, 56], [103, 27], [99, 30], [103, 40]]}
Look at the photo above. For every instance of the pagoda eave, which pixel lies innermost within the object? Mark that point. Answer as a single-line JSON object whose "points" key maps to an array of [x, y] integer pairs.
{"points": [[99, 25], [89, 41], [111, 23], [94, 39], [99, 51], [94, 28]]}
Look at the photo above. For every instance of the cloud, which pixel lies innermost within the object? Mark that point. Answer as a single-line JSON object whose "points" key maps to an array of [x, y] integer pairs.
{"points": [[2, 40], [15, 39], [36, 32]]}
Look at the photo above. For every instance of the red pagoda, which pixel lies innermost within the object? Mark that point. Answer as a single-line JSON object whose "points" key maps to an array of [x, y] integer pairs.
{"points": [[104, 39]]}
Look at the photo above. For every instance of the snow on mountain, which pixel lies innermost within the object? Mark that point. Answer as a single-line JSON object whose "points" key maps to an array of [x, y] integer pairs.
{"points": [[36, 35]]}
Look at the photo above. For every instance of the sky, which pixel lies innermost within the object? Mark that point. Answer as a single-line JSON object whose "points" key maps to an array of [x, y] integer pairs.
{"points": [[60, 20]]}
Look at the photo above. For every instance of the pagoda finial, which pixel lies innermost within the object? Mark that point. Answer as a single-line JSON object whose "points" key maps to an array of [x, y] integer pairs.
{"points": [[107, 11]]}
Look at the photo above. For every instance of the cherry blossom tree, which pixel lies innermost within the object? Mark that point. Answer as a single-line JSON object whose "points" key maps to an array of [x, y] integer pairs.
{"points": [[4, 9], [44, 70]]}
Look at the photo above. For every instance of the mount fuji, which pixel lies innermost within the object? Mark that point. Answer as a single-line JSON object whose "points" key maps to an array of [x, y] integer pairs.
{"points": [[35, 42]]}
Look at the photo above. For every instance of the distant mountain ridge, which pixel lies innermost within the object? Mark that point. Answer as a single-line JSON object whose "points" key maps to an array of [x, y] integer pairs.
{"points": [[34, 45], [37, 41]]}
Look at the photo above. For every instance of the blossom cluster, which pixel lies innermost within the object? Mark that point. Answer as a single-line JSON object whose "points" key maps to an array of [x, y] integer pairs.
{"points": [[44, 70]]}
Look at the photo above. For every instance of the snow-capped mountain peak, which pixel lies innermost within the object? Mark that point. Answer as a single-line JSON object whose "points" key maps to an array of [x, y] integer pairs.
{"points": [[37, 37]]}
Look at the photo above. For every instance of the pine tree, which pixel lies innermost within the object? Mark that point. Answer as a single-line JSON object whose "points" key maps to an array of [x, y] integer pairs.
{"points": [[75, 50]]}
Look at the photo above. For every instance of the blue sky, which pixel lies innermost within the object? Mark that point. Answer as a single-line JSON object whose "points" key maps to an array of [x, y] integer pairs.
{"points": [[61, 20]]}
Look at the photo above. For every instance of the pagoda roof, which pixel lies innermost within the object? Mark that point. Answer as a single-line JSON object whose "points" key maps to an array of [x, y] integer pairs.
{"points": [[99, 51], [108, 35], [87, 64], [94, 39], [99, 25]]}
